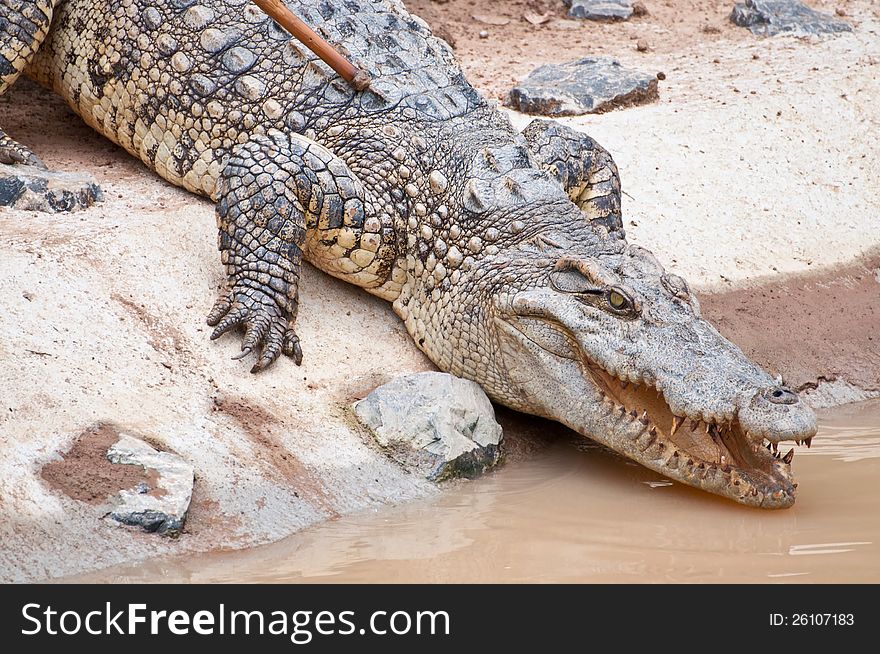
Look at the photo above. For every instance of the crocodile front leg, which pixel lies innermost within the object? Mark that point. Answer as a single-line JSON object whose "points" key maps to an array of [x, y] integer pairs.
{"points": [[271, 192], [23, 27], [583, 167]]}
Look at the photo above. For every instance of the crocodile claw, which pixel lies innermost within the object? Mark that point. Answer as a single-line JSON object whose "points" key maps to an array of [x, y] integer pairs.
{"points": [[268, 330]]}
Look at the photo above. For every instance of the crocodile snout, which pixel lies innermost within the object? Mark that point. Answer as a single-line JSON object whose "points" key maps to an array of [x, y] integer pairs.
{"points": [[777, 414], [781, 395]]}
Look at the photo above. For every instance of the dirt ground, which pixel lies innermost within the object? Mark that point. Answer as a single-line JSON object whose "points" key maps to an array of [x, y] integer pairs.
{"points": [[511, 50], [755, 176]]}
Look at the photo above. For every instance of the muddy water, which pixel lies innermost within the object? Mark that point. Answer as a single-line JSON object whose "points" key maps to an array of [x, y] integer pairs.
{"points": [[572, 515]]}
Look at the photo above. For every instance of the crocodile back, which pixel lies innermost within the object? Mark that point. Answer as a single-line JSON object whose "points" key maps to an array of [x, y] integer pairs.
{"points": [[179, 83]]}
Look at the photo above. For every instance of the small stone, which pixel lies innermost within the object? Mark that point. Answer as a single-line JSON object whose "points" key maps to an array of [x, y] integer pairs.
{"points": [[163, 511], [661, 76], [642, 45], [487, 19], [588, 85], [35, 189], [484, 34], [600, 9], [438, 425], [537, 19], [773, 17], [639, 9]]}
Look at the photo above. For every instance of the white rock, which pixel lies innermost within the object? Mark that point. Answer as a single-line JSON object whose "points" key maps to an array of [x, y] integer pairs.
{"points": [[436, 423], [165, 511]]}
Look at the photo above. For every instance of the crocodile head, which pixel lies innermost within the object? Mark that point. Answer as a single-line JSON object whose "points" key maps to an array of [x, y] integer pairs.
{"points": [[604, 340]]}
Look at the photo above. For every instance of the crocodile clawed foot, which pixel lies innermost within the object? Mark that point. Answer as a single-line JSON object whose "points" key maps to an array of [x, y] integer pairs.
{"points": [[12, 152], [268, 330]]}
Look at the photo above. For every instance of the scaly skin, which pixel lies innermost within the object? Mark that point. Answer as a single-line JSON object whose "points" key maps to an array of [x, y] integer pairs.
{"points": [[502, 252]]}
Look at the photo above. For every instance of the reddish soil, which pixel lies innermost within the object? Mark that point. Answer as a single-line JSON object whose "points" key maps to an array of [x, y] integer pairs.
{"points": [[85, 474], [823, 325]]}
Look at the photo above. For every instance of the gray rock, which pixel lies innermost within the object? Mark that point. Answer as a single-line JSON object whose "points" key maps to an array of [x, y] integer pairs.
{"points": [[435, 423], [589, 85], [600, 9], [161, 509], [34, 189], [772, 17]]}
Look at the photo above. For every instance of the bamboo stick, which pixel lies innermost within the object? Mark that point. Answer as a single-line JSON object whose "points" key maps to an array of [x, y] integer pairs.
{"points": [[279, 12]]}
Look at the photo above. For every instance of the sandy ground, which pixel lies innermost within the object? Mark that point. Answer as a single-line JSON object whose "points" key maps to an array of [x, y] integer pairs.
{"points": [[760, 158]]}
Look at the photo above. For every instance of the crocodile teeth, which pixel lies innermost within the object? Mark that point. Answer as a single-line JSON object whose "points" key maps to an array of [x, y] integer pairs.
{"points": [[788, 457], [808, 441], [676, 424], [644, 419]]}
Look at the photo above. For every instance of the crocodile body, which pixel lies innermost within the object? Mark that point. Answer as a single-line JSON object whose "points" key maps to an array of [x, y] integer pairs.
{"points": [[503, 252]]}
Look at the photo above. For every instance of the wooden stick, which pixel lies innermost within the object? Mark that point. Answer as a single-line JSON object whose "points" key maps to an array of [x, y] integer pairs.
{"points": [[279, 12]]}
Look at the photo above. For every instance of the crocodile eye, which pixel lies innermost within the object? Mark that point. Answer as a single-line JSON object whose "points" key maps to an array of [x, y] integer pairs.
{"points": [[618, 301]]}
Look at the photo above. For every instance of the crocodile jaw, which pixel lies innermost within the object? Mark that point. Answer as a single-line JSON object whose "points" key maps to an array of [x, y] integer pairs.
{"points": [[719, 457], [634, 419]]}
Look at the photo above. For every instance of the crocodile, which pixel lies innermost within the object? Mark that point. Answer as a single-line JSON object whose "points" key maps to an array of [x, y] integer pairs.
{"points": [[503, 252]]}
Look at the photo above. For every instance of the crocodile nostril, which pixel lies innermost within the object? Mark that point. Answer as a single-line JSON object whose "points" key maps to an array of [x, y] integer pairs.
{"points": [[782, 395]]}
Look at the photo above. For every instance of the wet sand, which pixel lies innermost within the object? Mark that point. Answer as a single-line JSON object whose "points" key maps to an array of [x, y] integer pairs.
{"points": [[577, 513]]}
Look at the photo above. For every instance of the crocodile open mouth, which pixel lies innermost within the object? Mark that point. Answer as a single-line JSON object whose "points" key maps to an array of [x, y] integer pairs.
{"points": [[716, 456]]}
